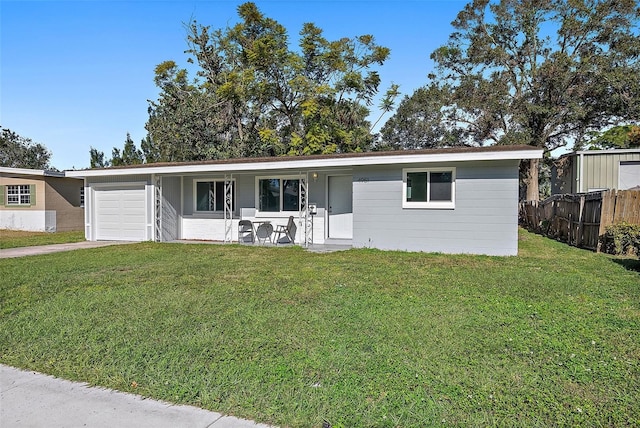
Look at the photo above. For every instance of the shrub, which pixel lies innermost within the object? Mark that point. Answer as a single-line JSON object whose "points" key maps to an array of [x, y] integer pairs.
{"points": [[622, 239]]}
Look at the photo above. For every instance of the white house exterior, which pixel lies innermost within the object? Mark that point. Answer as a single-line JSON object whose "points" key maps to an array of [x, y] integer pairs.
{"points": [[461, 200]]}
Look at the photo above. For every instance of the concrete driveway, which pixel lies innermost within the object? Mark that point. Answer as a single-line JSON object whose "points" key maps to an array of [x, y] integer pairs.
{"points": [[55, 248]]}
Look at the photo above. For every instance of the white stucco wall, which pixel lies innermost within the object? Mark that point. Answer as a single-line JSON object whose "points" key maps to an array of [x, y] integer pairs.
{"points": [[28, 220]]}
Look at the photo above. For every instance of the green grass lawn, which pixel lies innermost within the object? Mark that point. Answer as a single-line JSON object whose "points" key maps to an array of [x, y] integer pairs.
{"points": [[18, 238], [360, 338]]}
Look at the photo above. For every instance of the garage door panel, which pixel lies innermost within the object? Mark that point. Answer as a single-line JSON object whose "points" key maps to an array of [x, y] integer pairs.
{"points": [[132, 209], [121, 213]]}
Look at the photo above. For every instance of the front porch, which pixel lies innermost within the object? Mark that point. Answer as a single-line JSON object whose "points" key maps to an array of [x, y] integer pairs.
{"points": [[210, 207]]}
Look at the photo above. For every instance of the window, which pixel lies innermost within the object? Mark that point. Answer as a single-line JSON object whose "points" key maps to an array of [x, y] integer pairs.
{"points": [[429, 188], [19, 195], [209, 196], [278, 194], [82, 197]]}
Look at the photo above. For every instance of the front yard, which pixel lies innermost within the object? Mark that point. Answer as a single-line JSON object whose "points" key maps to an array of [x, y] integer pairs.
{"points": [[19, 238], [356, 338]]}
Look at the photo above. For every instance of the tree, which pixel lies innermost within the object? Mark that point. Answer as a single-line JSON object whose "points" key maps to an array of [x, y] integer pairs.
{"points": [[97, 159], [618, 137], [419, 122], [634, 137], [130, 155], [21, 152], [256, 96], [539, 72], [188, 121]]}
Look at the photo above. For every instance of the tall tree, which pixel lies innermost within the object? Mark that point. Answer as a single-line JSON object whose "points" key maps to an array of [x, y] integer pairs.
{"points": [[257, 96], [21, 152], [539, 72], [419, 122]]}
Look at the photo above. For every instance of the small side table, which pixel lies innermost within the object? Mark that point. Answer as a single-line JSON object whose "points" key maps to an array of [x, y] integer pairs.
{"points": [[263, 231]]}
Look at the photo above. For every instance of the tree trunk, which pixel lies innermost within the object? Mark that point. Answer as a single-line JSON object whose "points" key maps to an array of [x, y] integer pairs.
{"points": [[533, 193]]}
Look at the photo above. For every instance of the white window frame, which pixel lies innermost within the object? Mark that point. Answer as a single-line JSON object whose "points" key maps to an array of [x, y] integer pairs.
{"points": [[281, 212], [440, 205], [19, 194], [212, 180]]}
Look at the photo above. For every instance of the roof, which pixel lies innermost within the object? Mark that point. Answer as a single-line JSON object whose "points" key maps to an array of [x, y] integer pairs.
{"points": [[32, 172], [456, 154], [601, 152]]}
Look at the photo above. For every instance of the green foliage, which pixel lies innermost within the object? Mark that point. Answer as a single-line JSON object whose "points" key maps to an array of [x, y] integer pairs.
{"points": [[130, 155], [419, 122], [358, 338], [622, 239], [96, 158], [634, 137], [618, 137], [258, 96], [21, 152], [541, 73]]}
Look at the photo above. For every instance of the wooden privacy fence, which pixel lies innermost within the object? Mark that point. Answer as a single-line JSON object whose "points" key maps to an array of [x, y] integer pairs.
{"points": [[581, 219]]}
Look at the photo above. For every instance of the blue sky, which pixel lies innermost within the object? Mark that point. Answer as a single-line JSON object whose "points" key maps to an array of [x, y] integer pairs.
{"points": [[76, 74]]}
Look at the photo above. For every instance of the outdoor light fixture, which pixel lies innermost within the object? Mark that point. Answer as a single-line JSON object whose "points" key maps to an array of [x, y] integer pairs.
{"points": [[314, 175]]}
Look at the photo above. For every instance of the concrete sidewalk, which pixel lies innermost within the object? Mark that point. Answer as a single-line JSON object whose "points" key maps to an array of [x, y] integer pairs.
{"points": [[55, 248], [30, 399]]}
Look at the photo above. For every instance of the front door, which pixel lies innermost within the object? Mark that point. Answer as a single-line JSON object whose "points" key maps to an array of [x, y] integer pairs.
{"points": [[340, 207]]}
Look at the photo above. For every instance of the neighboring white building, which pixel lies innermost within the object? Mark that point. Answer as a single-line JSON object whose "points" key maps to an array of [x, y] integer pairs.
{"points": [[459, 200]]}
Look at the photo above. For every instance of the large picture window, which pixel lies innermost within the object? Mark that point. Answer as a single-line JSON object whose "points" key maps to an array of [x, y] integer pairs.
{"points": [[19, 195], [209, 196], [278, 194], [429, 188]]}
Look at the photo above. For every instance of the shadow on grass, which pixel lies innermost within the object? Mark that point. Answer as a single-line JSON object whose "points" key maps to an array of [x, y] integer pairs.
{"points": [[628, 264]]}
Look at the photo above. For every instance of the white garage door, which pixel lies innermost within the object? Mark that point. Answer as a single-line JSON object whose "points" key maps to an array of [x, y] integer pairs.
{"points": [[120, 214], [629, 175]]}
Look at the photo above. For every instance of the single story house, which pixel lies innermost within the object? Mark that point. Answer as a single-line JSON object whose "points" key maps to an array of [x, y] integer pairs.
{"points": [[457, 200], [40, 200], [595, 170]]}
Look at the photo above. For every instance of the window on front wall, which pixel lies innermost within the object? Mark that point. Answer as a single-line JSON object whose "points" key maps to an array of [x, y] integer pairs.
{"points": [[210, 196], [19, 195], [429, 188], [278, 194]]}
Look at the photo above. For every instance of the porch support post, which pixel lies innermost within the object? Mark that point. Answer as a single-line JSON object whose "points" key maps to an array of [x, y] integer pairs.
{"points": [[228, 208], [304, 207], [157, 208]]}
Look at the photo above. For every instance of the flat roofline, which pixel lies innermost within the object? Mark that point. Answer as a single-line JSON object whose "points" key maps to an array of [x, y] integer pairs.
{"points": [[458, 154], [606, 151], [36, 172]]}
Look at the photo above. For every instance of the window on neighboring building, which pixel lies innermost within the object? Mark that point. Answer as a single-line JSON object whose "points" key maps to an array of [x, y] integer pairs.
{"points": [[19, 194], [210, 196], [429, 188], [278, 194]]}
